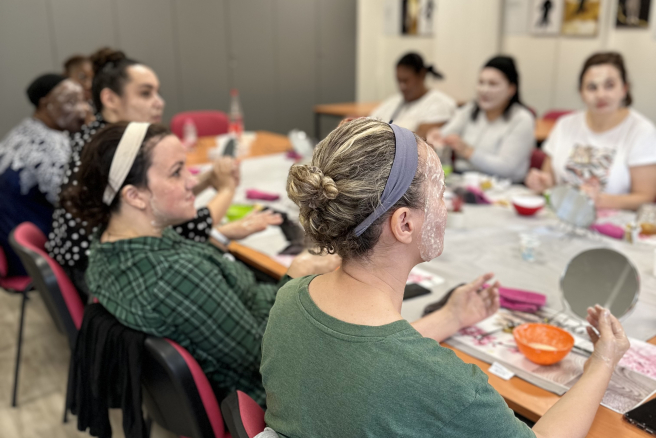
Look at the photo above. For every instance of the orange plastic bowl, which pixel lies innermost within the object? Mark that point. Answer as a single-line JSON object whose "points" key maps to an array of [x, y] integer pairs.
{"points": [[543, 344]]}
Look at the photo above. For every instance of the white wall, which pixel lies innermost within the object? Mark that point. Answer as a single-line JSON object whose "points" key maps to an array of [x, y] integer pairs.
{"points": [[468, 32], [452, 48], [550, 66]]}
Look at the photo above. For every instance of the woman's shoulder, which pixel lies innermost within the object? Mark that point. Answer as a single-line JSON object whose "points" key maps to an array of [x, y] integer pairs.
{"points": [[640, 122], [521, 112], [435, 95]]}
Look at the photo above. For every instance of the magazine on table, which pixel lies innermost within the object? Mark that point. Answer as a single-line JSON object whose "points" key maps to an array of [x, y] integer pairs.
{"points": [[633, 381]]}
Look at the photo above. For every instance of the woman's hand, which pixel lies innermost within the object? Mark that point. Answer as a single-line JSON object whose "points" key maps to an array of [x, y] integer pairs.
{"points": [[472, 303], [253, 222], [308, 264], [610, 341], [461, 148], [538, 180], [434, 138], [225, 174]]}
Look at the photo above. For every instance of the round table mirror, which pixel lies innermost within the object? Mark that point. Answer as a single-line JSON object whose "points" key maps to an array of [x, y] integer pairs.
{"points": [[573, 206], [600, 276]]}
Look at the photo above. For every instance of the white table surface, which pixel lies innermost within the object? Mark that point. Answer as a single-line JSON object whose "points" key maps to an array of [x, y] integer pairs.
{"points": [[488, 242]]}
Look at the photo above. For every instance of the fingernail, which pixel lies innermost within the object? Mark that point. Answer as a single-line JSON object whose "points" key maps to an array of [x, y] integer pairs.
{"points": [[606, 313]]}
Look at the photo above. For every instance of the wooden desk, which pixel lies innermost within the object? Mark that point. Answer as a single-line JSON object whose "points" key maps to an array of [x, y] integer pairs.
{"points": [[265, 143], [355, 109], [543, 128], [341, 110], [532, 402]]}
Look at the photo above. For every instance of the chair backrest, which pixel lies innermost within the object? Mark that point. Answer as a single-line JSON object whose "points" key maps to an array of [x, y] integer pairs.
{"points": [[555, 114], [48, 277], [176, 392], [207, 122], [243, 416], [4, 267]]}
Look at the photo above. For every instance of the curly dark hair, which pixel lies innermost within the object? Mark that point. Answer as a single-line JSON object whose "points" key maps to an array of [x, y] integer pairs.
{"points": [[84, 200]]}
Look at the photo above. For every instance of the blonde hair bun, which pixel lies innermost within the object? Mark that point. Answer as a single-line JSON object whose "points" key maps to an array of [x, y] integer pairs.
{"points": [[307, 185]]}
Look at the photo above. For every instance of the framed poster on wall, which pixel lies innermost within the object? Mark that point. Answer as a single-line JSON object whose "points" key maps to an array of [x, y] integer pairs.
{"points": [[633, 13], [417, 17], [581, 17], [546, 17]]}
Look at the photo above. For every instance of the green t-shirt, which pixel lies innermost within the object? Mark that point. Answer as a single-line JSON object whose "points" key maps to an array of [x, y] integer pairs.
{"points": [[328, 378]]}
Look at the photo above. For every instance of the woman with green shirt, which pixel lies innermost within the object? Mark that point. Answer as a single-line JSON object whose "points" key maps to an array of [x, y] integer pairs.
{"points": [[134, 185], [338, 360]]}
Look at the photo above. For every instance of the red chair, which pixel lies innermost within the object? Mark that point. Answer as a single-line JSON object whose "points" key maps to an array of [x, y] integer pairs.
{"points": [[555, 114], [15, 284], [19, 284], [537, 158], [207, 122], [244, 417], [58, 293], [176, 392]]}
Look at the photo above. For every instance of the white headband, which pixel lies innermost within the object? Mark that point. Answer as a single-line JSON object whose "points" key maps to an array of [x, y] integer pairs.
{"points": [[124, 157]]}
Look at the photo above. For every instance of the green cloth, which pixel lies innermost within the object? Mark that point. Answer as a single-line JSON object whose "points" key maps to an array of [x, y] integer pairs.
{"points": [[188, 292], [328, 378]]}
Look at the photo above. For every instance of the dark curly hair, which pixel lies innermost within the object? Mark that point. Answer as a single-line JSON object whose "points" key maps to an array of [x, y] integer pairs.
{"points": [[84, 200]]}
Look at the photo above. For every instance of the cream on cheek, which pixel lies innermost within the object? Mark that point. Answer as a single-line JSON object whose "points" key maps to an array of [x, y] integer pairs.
{"points": [[69, 106], [603, 89], [432, 231]]}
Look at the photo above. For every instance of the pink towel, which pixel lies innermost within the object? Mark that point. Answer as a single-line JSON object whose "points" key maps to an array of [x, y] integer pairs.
{"points": [[523, 296], [294, 155], [481, 198], [514, 305], [610, 230], [261, 196], [521, 300]]}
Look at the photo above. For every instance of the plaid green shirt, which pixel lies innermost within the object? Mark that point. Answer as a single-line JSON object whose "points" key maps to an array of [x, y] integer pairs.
{"points": [[188, 292]]}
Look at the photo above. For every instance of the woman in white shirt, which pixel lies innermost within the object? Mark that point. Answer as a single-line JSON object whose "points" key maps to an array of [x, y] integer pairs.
{"points": [[416, 107], [495, 133], [608, 150]]}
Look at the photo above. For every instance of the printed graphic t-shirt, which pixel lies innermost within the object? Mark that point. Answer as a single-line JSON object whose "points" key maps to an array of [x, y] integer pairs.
{"points": [[578, 154]]}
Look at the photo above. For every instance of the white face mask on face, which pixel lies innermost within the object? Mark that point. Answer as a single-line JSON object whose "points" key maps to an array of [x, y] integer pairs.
{"points": [[432, 230], [493, 90], [603, 89]]}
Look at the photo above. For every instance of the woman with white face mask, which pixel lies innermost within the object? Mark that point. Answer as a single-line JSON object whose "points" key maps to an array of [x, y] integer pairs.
{"points": [[339, 360], [495, 133], [607, 150]]}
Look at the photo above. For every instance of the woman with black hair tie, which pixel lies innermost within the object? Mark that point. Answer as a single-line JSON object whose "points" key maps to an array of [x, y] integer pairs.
{"points": [[417, 107], [494, 134]]}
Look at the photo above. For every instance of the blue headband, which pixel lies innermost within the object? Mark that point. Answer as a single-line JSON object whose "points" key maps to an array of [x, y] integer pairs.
{"points": [[403, 172]]}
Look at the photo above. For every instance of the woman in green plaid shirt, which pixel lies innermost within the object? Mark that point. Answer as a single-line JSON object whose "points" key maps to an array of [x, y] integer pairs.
{"points": [[152, 279]]}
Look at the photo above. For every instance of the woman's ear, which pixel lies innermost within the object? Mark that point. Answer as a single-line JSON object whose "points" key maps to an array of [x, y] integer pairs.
{"points": [[512, 89], [404, 224], [109, 99], [133, 197]]}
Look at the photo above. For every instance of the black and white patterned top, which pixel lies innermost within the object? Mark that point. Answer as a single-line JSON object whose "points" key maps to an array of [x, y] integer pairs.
{"points": [[68, 242]]}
